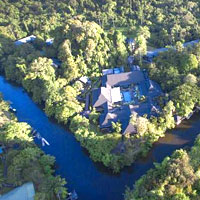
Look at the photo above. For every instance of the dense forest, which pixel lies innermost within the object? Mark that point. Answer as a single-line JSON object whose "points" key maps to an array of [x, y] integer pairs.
{"points": [[178, 73], [176, 178], [22, 161], [169, 21], [85, 49], [85, 45], [90, 36]]}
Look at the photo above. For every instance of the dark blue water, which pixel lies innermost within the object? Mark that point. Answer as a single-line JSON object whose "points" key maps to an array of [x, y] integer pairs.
{"points": [[91, 181]]}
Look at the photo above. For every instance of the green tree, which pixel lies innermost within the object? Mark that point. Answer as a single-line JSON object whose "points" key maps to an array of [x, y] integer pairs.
{"points": [[117, 127], [39, 79], [188, 63]]}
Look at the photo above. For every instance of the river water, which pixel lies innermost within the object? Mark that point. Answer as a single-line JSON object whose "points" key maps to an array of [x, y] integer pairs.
{"points": [[92, 181]]}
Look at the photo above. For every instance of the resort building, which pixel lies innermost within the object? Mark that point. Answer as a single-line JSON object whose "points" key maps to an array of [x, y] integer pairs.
{"points": [[49, 41], [24, 192], [25, 40], [123, 94]]}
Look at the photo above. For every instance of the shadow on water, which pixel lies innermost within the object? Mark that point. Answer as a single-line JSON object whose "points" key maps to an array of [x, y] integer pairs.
{"points": [[92, 180], [100, 167]]}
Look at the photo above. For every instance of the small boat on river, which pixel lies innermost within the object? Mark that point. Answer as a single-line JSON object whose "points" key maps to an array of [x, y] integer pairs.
{"points": [[12, 109], [39, 137], [72, 196]]}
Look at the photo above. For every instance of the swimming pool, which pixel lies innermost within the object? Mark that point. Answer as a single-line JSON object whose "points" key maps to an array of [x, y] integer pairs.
{"points": [[127, 96], [117, 71]]}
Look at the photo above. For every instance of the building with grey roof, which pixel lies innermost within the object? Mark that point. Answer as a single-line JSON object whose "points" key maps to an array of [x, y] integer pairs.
{"points": [[119, 97], [122, 79], [24, 192], [100, 96], [25, 40]]}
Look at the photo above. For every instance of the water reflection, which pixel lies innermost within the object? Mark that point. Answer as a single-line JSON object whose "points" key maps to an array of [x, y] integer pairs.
{"points": [[172, 139], [92, 180]]}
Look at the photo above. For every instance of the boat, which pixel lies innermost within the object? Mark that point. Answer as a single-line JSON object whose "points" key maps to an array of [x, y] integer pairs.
{"points": [[12, 109], [44, 142], [72, 196], [39, 137]]}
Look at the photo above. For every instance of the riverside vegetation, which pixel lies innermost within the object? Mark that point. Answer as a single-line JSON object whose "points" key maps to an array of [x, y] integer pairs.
{"points": [[22, 161], [88, 37], [85, 48], [176, 178]]}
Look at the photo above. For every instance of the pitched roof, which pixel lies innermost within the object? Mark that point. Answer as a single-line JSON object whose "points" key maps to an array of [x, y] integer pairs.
{"points": [[154, 89], [156, 52], [144, 108], [100, 96], [24, 192], [106, 119], [116, 95], [129, 129], [117, 114], [25, 40], [121, 115], [121, 79]]}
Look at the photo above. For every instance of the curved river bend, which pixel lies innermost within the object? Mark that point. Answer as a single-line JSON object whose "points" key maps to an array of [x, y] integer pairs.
{"points": [[92, 181]]}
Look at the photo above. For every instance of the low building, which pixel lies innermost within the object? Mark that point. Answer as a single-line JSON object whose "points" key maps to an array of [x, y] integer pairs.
{"points": [[25, 40], [191, 43], [24, 192], [49, 41]]}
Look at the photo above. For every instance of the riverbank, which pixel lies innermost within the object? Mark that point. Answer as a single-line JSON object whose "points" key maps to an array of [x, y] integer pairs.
{"points": [[176, 177], [92, 180], [59, 88], [23, 161]]}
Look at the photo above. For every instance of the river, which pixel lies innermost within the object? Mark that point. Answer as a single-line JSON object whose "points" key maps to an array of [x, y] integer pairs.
{"points": [[92, 181]]}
